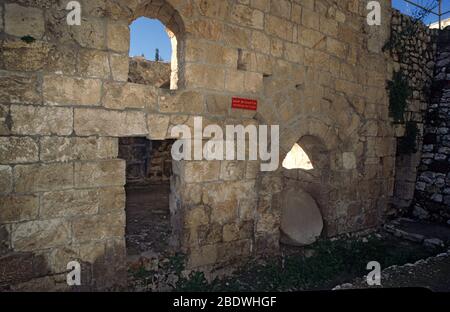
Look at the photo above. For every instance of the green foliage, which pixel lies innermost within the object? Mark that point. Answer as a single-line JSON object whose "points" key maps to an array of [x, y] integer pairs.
{"points": [[28, 39], [158, 57], [408, 143], [332, 263], [196, 282], [399, 92]]}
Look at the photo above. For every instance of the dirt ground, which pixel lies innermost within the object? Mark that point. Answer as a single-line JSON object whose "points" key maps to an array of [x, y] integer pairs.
{"points": [[148, 219]]}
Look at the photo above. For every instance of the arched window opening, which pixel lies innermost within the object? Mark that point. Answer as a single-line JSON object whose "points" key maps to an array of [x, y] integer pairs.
{"points": [[297, 159], [153, 54]]}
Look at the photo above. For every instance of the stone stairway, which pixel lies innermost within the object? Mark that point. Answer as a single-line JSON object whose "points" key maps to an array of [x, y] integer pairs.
{"points": [[432, 197]]}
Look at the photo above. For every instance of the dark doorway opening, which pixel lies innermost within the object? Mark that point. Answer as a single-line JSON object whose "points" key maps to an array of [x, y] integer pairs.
{"points": [[149, 170]]}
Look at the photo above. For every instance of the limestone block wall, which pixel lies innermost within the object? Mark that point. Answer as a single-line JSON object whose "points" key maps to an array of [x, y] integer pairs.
{"points": [[315, 67], [413, 47]]}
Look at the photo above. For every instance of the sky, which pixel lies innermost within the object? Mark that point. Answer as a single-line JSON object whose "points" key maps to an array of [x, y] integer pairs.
{"points": [[147, 35], [409, 9]]}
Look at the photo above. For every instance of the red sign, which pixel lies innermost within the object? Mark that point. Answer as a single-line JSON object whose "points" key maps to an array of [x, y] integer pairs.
{"points": [[247, 104]]}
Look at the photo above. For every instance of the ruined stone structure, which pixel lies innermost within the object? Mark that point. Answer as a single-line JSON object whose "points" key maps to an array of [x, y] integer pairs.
{"points": [[315, 66], [147, 72], [433, 182], [413, 48]]}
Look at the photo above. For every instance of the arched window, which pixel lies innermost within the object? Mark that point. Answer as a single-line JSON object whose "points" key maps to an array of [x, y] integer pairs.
{"points": [[156, 46], [297, 159]]}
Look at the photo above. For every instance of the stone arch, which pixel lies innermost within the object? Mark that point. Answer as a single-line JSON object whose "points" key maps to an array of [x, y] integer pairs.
{"points": [[304, 197], [171, 19]]}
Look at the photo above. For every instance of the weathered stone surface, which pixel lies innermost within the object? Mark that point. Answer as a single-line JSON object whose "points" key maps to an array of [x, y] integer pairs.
{"points": [[36, 235], [95, 64], [217, 104], [232, 170], [15, 208], [201, 171], [129, 95], [158, 126], [118, 36], [19, 88], [63, 149], [69, 203], [202, 76], [24, 21], [301, 219], [21, 56], [32, 120], [110, 123], [5, 179], [100, 227], [188, 102], [15, 150], [101, 173], [111, 199], [120, 67], [5, 124], [36, 178], [61, 90], [203, 256]]}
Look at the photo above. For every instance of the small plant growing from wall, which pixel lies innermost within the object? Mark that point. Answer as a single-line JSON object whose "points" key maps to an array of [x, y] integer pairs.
{"points": [[399, 92], [408, 143]]}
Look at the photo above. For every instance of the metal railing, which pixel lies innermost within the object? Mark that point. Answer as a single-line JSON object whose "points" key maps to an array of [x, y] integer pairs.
{"points": [[432, 10]]}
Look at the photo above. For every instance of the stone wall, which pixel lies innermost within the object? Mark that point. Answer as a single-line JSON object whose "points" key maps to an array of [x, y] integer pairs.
{"points": [[147, 72], [315, 67], [148, 162], [413, 49], [432, 198]]}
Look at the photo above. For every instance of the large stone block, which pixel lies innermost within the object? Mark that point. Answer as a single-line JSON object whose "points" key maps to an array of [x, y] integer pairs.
{"points": [[16, 208], [19, 88], [111, 199], [279, 27], [61, 90], [203, 256], [101, 173], [110, 123], [203, 76], [4, 120], [232, 170], [129, 95], [201, 171], [99, 227], [32, 120], [69, 203], [120, 67], [248, 17], [16, 150], [218, 104], [118, 37], [186, 102], [5, 180], [63, 149], [158, 126], [36, 178], [38, 235], [24, 21], [93, 63], [21, 56], [90, 34]]}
